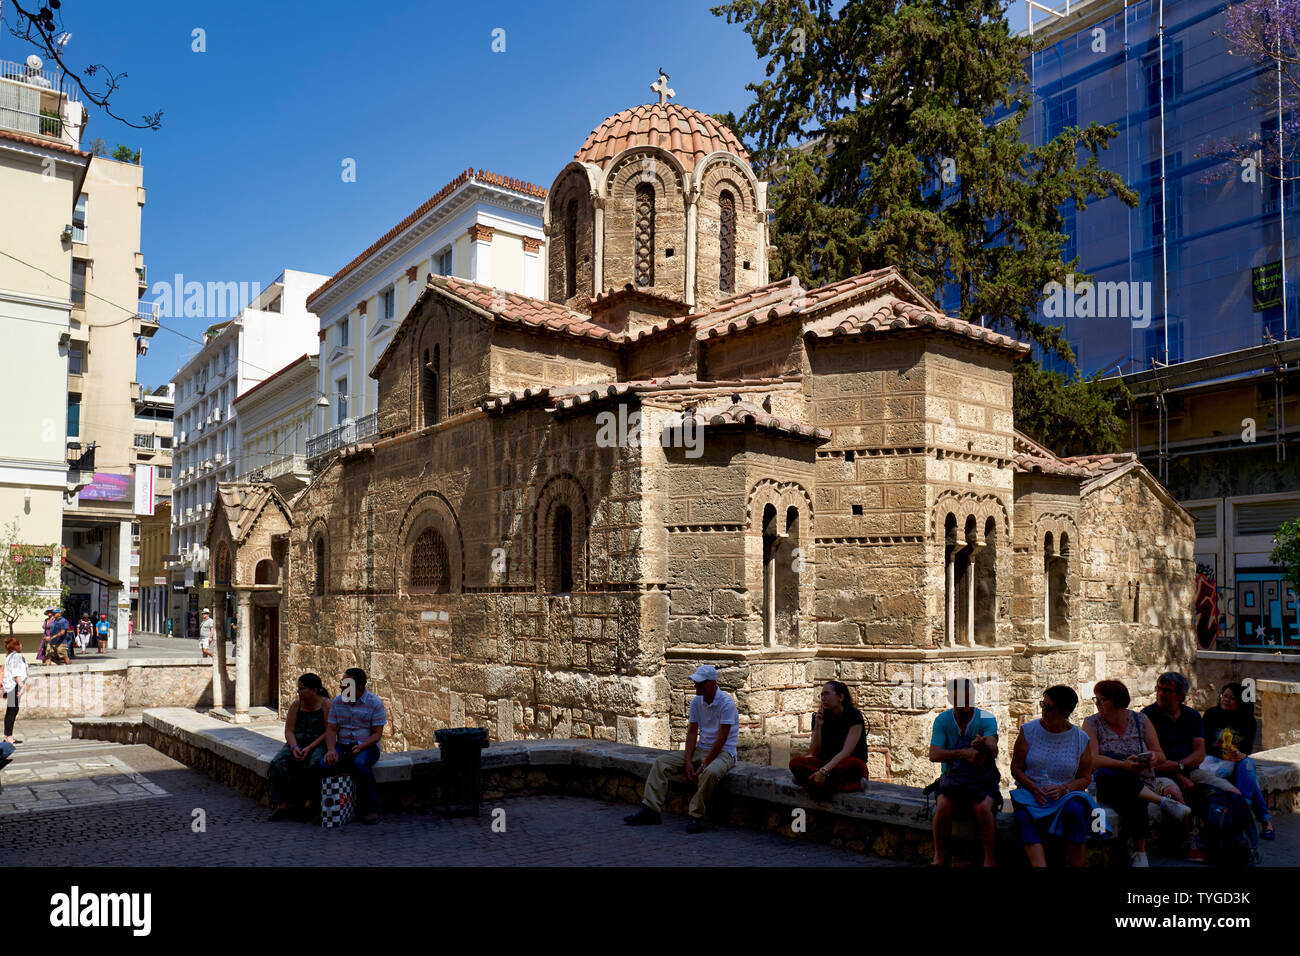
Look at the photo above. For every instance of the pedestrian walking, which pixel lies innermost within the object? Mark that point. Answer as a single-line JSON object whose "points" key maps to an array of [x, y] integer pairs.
{"points": [[206, 631], [15, 683], [102, 630]]}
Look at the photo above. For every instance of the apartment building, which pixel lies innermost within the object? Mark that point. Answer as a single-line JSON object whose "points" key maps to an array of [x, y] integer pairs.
{"points": [[42, 173], [236, 355], [109, 331], [480, 226], [275, 417]]}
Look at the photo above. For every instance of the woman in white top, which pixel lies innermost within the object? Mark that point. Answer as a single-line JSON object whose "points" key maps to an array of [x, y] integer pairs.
{"points": [[15, 683]]}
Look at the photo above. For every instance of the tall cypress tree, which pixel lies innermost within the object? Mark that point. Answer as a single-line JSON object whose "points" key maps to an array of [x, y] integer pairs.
{"points": [[891, 131]]}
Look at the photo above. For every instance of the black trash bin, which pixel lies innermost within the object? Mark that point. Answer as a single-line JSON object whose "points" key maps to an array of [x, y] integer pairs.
{"points": [[461, 768]]}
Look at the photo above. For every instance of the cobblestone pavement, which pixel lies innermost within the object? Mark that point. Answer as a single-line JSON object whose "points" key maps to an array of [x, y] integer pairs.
{"points": [[143, 814], [158, 830]]}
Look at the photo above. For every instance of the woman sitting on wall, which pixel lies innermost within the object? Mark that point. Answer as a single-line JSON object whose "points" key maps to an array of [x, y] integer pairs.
{"points": [[1052, 762], [1229, 739], [293, 779], [838, 751], [1124, 749]]}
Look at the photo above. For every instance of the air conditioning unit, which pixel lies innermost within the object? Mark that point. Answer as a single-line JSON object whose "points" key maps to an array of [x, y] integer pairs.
{"points": [[216, 414], [182, 441], [198, 427], [189, 513], [220, 458]]}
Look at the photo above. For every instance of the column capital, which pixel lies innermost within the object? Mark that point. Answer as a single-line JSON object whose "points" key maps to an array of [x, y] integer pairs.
{"points": [[411, 273], [532, 245], [361, 307], [480, 233]]}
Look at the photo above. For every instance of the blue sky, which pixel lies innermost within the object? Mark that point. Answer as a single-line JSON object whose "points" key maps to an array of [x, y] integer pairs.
{"points": [[243, 179]]}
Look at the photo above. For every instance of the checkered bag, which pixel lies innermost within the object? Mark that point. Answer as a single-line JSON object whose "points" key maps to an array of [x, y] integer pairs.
{"points": [[338, 802]]}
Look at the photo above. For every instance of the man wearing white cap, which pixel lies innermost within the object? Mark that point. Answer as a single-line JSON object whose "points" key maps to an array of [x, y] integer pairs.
{"points": [[207, 631], [715, 727]]}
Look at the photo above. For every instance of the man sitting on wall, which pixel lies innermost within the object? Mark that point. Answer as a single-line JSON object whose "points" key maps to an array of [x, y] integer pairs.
{"points": [[715, 726], [352, 733], [965, 741], [1182, 741]]}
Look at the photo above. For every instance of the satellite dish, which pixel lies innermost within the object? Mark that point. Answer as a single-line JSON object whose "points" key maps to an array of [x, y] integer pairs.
{"points": [[34, 63]]}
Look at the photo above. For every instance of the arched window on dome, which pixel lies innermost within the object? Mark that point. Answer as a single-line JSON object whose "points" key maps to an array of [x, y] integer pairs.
{"points": [[571, 249], [644, 236], [726, 242]]}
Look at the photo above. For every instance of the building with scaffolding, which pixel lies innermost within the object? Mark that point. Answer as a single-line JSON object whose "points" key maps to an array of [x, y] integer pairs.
{"points": [[1212, 365]]}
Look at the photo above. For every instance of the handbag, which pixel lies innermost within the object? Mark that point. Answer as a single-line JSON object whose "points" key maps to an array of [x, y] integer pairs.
{"points": [[337, 800]]}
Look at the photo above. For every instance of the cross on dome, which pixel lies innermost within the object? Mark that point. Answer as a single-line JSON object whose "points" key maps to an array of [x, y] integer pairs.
{"points": [[660, 86]]}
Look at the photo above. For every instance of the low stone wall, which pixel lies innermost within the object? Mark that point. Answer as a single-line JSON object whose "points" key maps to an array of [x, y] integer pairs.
{"points": [[1213, 669], [888, 820], [106, 688]]}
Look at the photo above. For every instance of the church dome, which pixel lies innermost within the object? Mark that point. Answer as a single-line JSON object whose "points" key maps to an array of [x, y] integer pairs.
{"points": [[688, 134]]}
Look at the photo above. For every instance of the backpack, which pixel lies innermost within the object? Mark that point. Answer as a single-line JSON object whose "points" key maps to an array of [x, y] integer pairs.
{"points": [[1230, 836]]}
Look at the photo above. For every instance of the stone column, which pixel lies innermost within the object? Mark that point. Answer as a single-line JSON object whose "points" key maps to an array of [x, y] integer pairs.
{"points": [[692, 241], [480, 254], [532, 267], [218, 668], [242, 657], [597, 245]]}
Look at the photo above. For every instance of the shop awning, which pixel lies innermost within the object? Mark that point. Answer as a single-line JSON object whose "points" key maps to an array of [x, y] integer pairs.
{"points": [[89, 570]]}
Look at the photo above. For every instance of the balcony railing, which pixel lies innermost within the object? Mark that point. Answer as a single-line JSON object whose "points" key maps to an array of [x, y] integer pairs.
{"points": [[348, 433], [79, 458], [146, 441], [46, 78], [278, 467]]}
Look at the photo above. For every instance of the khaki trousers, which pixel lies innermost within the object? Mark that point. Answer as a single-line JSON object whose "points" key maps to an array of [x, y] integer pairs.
{"points": [[1199, 775], [673, 766]]}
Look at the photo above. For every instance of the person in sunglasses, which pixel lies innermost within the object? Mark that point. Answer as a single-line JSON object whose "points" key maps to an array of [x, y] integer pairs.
{"points": [[1052, 762]]}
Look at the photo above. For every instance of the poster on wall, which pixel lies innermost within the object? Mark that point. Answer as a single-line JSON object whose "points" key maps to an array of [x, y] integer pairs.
{"points": [[1266, 286], [144, 488]]}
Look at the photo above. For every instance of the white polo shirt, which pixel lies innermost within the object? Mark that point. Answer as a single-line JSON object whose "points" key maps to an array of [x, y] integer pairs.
{"points": [[709, 717]]}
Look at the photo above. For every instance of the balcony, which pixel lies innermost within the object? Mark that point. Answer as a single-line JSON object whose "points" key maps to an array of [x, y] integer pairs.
{"points": [[348, 433], [286, 466], [147, 313], [33, 99], [146, 441]]}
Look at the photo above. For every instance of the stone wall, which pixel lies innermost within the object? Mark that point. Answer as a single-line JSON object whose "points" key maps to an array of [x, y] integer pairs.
{"points": [[106, 688]]}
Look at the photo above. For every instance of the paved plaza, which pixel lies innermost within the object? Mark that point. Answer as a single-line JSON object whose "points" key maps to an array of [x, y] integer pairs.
{"points": [[72, 802]]}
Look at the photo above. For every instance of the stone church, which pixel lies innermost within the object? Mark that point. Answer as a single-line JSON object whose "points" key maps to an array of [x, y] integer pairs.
{"points": [[672, 459]]}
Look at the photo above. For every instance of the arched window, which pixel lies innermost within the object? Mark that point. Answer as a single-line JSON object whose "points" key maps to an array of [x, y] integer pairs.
{"points": [[959, 595], [726, 242], [429, 385], [781, 566], [430, 569], [1056, 612], [265, 572], [320, 565], [571, 249], [562, 551], [645, 235], [986, 586]]}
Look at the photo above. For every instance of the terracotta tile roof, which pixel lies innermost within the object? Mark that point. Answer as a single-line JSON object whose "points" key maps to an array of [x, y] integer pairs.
{"points": [[689, 134], [482, 176], [1035, 464], [898, 314], [1102, 464], [745, 415], [53, 144], [242, 503], [523, 309], [1023, 444], [717, 320]]}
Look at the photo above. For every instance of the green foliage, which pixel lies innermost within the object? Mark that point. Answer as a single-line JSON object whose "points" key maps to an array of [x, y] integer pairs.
{"points": [[98, 147], [1286, 550], [124, 154], [891, 133], [20, 594]]}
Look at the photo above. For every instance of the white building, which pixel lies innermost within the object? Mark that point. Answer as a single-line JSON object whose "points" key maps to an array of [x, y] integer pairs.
{"points": [[236, 356], [275, 417], [480, 226]]}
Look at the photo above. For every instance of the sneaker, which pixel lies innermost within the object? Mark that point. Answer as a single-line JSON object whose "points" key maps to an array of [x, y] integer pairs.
{"points": [[1179, 811], [696, 825], [643, 818], [1195, 854], [1139, 859]]}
